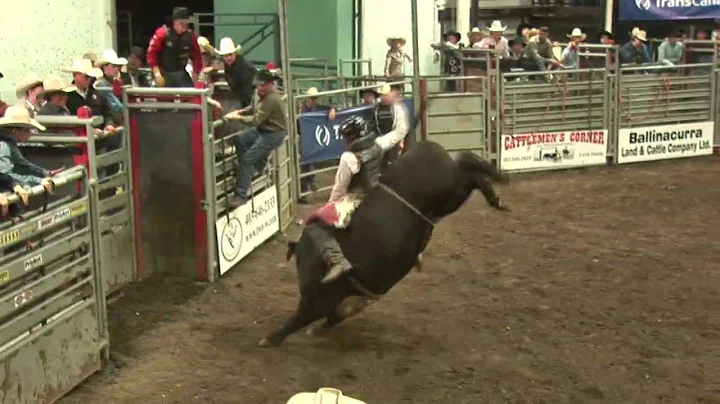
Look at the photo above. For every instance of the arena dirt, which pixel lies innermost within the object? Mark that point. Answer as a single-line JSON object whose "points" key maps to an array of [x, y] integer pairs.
{"points": [[601, 286]]}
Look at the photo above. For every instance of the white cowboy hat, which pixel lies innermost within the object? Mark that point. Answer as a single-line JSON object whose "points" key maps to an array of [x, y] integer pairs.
{"points": [[641, 35], [475, 30], [497, 26], [384, 88], [227, 47], [54, 84], [391, 39], [205, 46], [312, 92], [325, 395], [576, 32], [110, 57], [26, 83], [83, 66], [18, 116]]}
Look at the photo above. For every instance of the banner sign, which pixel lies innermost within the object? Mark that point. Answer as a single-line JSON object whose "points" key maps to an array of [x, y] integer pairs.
{"points": [[631, 10], [665, 142], [319, 137], [550, 150], [248, 226]]}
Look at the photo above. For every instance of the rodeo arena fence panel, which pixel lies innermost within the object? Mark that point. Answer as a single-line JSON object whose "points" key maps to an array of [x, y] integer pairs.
{"points": [[152, 198]]}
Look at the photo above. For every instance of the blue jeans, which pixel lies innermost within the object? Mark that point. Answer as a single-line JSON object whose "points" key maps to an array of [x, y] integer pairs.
{"points": [[253, 148]]}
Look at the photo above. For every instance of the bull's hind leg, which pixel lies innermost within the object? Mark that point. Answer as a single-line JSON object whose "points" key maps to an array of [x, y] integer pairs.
{"points": [[320, 328], [305, 314]]}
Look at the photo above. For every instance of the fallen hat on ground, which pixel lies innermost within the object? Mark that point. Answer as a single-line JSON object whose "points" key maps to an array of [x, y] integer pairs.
{"points": [[325, 395]]}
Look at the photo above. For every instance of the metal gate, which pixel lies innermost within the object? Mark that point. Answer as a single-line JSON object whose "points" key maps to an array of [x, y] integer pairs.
{"points": [[66, 143], [458, 120], [53, 331]]}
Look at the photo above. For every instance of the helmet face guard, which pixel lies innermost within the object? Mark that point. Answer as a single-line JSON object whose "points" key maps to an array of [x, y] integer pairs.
{"points": [[352, 128]]}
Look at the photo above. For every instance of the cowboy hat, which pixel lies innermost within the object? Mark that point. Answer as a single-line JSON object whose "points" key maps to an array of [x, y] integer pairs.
{"points": [[325, 395], [475, 30], [312, 92], [384, 88], [392, 39], [576, 32], [227, 47], [265, 76], [110, 57], [641, 35], [91, 56], [453, 33], [18, 116], [496, 26], [54, 84], [205, 46], [180, 13], [31, 80], [83, 66]]}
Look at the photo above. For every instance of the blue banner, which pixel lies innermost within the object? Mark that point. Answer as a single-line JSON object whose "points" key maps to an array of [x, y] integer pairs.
{"points": [[668, 9], [319, 137]]}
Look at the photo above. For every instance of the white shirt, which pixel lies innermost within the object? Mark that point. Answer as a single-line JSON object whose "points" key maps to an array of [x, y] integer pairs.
{"points": [[349, 166], [400, 129]]}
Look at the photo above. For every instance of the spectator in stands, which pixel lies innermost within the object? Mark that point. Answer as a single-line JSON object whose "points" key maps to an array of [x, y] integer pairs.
{"points": [[170, 49], [311, 104], [570, 55], [27, 92], [683, 35], [647, 55], [110, 64], [268, 131], [672, 51], [517, 47], [3, 105], [634, 52], [390, 117], [395, 58], [452, 58], [606, 38], [474, 38], [55, 93], [701, 53], [133, 76], [239, 72], [369, 96], [86, 95], [496, 41], [538, 52], [16, 172]]}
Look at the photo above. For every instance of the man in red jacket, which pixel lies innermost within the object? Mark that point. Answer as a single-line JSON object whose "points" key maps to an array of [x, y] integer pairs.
{"points": [[169, 51]]}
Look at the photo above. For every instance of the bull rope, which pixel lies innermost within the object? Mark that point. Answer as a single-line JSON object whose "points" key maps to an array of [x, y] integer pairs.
{"points": [[406, 203]]}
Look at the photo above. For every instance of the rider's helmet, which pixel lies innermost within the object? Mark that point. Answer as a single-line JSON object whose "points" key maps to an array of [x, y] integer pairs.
{"points": [[353, 128]]}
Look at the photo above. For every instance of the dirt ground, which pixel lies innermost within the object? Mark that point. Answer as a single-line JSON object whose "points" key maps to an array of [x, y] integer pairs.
{"points": [[600, 286]]}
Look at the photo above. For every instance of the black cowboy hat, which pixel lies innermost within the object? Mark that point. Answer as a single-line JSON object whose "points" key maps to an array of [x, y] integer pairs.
{"points": [[453, 33], [266, 76], [180, 13], [371, 90], [605, 33]]}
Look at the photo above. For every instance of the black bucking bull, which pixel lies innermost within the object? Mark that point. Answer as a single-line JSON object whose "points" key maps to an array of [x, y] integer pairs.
{"points": [[388, 231]]}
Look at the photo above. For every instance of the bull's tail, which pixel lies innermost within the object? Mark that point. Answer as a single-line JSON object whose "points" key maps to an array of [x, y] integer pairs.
{"points": [[291, 250], [472, 162]]}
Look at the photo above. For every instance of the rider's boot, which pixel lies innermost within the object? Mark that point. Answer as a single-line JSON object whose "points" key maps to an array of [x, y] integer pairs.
{"points": [[331, 252]]}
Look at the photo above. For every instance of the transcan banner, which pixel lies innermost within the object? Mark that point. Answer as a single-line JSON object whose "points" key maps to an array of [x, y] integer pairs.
{"points": [[632, 10], [665, 142]]}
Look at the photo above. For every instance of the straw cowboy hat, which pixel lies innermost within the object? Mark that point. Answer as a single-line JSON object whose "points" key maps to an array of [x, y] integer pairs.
{"points": [[30, 80], [392, 39], [384, 88], [640, 34], [475, 30], [110, 57], [205, 46], [227, 47], [312, 92], [576, 32], [19, 116], [497, 26], [54, 84], [325, 395], [83, 66]]}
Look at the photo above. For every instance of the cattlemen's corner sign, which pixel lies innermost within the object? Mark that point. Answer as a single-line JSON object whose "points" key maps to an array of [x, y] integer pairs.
{"points": [[665, 142], [631, 10], [548, 150]]}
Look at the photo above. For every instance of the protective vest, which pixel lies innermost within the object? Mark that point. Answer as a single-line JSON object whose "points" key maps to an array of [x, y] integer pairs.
{"points": [[369, 172], [453, 62], [176, 51], [383, 118]]}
